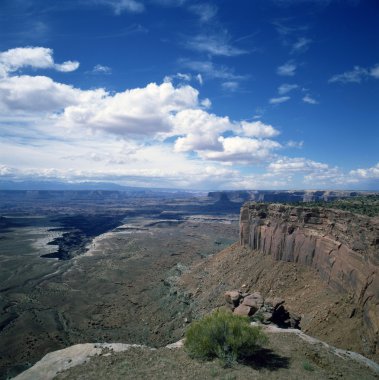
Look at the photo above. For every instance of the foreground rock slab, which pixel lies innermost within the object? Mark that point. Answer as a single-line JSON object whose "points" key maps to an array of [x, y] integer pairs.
{"points": [[55, 362]]}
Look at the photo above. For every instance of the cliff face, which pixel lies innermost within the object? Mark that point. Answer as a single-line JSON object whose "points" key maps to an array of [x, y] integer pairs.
{"points": [[343, 247]]}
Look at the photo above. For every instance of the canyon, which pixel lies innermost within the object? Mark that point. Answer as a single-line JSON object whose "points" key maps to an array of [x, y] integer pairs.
{"points": [[169, 261]]}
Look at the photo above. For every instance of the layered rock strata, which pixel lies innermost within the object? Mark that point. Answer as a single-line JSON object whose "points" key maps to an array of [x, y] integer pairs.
{"points": [[343, 247]]}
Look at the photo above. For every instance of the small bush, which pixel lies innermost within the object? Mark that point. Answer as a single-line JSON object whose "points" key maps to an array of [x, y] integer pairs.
{"points": [[308, 366], [223, 335]]}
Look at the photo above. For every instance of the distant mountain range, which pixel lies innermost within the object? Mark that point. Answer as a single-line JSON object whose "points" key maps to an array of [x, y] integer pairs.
{"points": [[77, 186]]}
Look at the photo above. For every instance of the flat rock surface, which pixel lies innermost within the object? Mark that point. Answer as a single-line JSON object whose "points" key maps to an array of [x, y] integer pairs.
{"points": [[58, 361]]}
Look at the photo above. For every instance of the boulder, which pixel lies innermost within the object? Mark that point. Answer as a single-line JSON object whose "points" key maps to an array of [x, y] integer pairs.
{"points": [[274, 302], [244, 310], [254, 300], [232, 297], [266, 311]]}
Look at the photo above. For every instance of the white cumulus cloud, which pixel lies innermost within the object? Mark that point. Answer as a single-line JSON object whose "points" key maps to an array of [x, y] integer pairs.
{"points": [[258, 129], [242, 150], [201, 130], [368, 173], [34, 57], [28, 94], [162, 134], [139, 111]]}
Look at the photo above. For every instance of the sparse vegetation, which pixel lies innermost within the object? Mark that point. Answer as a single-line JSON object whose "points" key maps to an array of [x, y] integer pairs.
{"points": [[308, 366], [368, 205], [224, 336], [363, 205]]}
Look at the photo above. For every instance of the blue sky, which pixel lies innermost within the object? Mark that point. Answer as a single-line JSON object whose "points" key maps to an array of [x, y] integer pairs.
{"points": [[242, 94]]}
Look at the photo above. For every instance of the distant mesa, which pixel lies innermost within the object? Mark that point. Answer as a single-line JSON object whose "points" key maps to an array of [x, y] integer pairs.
{"points": [[282, 195]]}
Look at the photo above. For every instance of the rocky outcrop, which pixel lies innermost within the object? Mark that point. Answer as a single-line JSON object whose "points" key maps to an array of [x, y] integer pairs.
{"points": [[343, 247], [266, 311]]}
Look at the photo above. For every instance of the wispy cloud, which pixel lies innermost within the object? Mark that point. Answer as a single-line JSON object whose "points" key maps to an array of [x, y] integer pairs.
{"points": [[211, 70], [357, 75], [128, 31], [354, 76], [120, 6], [285, 88], [301, 45], [289, 3], [295, 144], [204, 11], [231, 86], [308, 99], [184, 77], [218, 44], [285, 27], [279, 100], [374, 72], [101, 69], [288, 69], [170, 3], [297, 164]]}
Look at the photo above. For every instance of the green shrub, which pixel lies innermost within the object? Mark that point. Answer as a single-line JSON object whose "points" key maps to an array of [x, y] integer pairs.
{"points": [[308, 366], [223, 335]]}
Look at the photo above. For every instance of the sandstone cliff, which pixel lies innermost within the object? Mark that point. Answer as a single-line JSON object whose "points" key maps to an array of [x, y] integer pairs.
{"points": [[343, 247]]}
